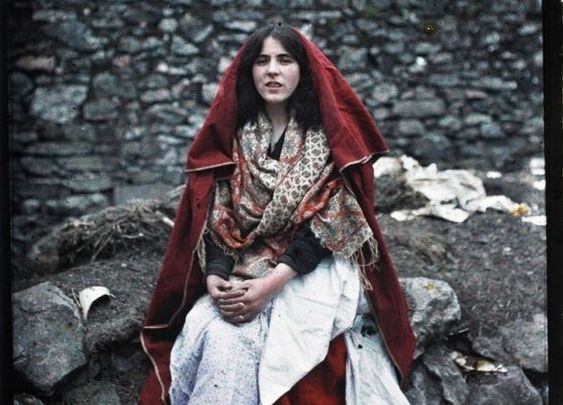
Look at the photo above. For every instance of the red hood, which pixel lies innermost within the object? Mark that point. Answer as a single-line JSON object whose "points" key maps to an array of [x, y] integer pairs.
{"points": [[351, 131]]}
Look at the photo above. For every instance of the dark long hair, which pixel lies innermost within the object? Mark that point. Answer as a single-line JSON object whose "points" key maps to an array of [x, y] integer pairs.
{"points": [[303, 101]]}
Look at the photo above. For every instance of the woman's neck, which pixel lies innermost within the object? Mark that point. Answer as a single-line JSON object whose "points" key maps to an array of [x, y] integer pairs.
{"points": [[279, 117]]}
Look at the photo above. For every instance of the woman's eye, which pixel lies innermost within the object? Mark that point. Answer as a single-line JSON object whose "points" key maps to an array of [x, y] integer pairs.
{"points": [[286, 61], [261, 61]]}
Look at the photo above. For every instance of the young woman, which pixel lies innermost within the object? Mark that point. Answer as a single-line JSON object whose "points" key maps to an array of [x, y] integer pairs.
{"points": [[276, 286]]}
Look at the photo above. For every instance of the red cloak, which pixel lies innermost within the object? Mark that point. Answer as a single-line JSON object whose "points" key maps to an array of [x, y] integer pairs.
{"points": [[355, 143]]}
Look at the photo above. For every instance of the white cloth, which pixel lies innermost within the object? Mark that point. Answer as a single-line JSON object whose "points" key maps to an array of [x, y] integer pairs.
{"points": [[213, 361], [370, 375], [309, 312]]}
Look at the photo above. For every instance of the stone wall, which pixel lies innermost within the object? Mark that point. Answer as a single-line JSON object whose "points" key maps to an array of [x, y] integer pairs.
{"points": [[106, 96]]}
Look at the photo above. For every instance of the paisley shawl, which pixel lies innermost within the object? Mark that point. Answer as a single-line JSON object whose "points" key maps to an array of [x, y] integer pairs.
{"points": [[256, 212]]}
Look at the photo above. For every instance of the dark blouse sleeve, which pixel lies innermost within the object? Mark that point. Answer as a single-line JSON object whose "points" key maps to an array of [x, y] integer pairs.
{"points": [[305, 252], [216, 261]]}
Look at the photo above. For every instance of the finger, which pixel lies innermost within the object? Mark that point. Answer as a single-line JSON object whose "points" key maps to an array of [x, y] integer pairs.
{"points": [[239, 306], [224, 285], [214, 293], [231, 294], [233, 316], [245, 285]]}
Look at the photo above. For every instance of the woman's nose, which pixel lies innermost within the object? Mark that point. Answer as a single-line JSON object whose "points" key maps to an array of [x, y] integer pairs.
{"points": [[273, 68]]}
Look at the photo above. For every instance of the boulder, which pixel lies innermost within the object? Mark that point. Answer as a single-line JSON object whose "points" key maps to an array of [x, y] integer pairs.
{"points": [[438, 362], [433, 309], [93, 393], [26, 399], [511, 387], [526, 341], [48, 336], [116, 319], [424, 387]]}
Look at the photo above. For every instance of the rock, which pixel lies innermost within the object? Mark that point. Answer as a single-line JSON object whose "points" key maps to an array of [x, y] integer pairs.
{"points": [[30, 206], [37, 63], [52, 16], [82, 163], [107, 84], [526, 341], [26, 399], [121, 61], [78, 132], [93, 393], [444, 80], [411, 127], [58, 149], [208, 92], [77, 205], [504, 388], [129, 44], [529, 29], [156, 96], [424, 387], [118, 319], [101, 110], [74, 34], [477, 118], [433, 147], [39, 166], [433, 309], [360, 82], [244, 26], [384, 92], [495, 83], [491, 130], [58, 103], [88, 183], [153, 81], [182, 47], [49, 344], [167, 114], [108, 23], [441, 57], [450, 123], [351, 58], [439, 363], [419, 108], [185, 131], [425, 48], [168, 25], [127, 357], [202, 34], [488, 342]]}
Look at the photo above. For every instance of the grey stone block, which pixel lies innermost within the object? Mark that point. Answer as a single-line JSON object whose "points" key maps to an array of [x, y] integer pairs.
{"points": [[48, 336]]}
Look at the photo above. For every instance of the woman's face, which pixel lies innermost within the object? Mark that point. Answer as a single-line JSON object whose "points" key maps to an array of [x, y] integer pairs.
{"points": [[275, 73]]}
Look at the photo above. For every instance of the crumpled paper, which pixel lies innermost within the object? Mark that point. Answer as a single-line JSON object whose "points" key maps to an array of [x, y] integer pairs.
{"points": [[452, 195]]}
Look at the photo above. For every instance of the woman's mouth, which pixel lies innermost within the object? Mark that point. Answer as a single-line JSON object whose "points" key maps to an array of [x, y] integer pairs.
{"points": [[273, 84]]}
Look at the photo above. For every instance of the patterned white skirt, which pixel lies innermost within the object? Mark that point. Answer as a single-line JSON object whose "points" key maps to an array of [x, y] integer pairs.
{"points": [[216, 362]]}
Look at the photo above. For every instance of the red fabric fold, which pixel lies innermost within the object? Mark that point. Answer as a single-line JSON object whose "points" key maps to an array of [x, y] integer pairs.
{"points": [[355, 142]]}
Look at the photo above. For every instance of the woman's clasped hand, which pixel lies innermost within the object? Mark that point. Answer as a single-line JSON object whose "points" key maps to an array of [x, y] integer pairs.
{"points": [[242, 301]]}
